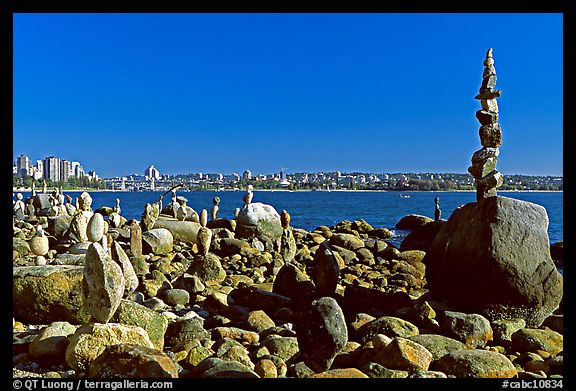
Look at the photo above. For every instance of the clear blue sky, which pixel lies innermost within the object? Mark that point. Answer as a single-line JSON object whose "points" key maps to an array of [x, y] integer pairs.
{"points": [[307, 92]]}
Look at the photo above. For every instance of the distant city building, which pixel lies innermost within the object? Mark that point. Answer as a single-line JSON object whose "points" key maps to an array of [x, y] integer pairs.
{"points": [[23, 166], [77, 169], [65, 170], [92, 176], [152, 172], [51, 169], [247, 174]]}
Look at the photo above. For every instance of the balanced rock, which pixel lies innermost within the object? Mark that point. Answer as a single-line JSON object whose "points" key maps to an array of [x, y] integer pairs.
{"points": [[130, 278], [259, 220], [95, 228], [105, 283], [492, 258]]}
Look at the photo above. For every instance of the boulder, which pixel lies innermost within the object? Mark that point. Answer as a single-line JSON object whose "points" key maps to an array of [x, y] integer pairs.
{"points": [[182, 231], [130, 278], [261, 221], [90, 340], [421, 237], [208, 268], [438, 345], [412, 221], [158, 241], [475, 364], [50, 344], [20, 246], [58, 225], [387, 325], [404, 354], [104, 284], [134, 314], [322, 333], [133, 361], [472, 329], [341, 373], [46, 294], [505, 271], [326, 271], [527, 339], [347, 241]]}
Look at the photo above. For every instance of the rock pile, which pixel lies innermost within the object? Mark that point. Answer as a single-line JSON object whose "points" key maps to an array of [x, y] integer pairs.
{"points": [[484, 161]]}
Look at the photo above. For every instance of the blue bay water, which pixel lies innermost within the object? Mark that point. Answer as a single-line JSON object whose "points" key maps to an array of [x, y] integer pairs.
{"points": [[312, 209]]}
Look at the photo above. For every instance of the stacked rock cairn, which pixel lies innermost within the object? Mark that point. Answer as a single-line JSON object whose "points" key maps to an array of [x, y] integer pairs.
{"points": [[484, 161]]}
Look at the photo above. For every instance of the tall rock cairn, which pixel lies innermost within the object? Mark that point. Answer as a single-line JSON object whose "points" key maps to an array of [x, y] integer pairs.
{"points": [[484, 161]]}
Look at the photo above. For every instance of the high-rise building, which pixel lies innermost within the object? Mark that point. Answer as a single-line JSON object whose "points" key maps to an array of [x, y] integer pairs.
{"points": [[51, 169], [76, 169], [247, 174], [65, 170], [152, 172], [23, 166]]}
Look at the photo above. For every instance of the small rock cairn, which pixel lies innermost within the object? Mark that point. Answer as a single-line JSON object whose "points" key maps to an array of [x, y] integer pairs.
{"points": [[484, 161]]}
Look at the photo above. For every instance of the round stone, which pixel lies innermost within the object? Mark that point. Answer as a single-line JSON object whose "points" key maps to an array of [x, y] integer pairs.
{"points": [[96, 227]]}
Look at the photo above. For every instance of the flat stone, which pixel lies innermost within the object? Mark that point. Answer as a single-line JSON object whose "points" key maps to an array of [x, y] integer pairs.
{"points": [[404, 354]]}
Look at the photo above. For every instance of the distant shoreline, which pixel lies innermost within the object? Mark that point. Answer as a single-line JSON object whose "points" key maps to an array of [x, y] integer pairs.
{"points": [[23, 189]]}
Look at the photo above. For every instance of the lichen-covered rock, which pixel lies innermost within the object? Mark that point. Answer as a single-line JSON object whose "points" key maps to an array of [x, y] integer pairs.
{"points": [[132, 361], [404, 354], [134, 314], [472, 329], [387, 325], [208, 268], [322, 333], [90, 340], [475, 364], [46, 294], [528, 339], [438, 345], [348, 241]]}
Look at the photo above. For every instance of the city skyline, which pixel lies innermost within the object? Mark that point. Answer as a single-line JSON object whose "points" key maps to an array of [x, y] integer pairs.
{"points": [[300, 92]]}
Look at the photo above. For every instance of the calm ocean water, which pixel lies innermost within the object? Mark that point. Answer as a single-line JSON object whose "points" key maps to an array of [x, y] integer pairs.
{"points": [[312, 209]]}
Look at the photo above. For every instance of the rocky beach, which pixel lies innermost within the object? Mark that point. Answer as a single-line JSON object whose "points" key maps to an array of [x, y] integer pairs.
{"points": [[184, 293], [179, 294]]}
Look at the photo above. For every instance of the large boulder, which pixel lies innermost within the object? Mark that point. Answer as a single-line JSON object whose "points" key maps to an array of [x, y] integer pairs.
{"points": [[261, 221], [153, 322], [50, 293], [492, 257]]}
